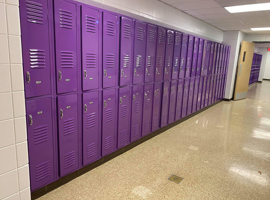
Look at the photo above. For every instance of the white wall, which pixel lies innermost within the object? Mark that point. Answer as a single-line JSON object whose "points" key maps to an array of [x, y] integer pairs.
{"points": [[14, 172], [263, 69]]}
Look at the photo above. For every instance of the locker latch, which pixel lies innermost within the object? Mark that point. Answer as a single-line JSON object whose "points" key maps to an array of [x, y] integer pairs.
{"points": [[85, 108], [122, 72], [135, 71], [156, 70], [121, 100], [182, 62], [30, 120], [105, 103], [188, 62], [134, 97], [155, 92], [166, 70], [28, 77], [59, 75], [85, 74], [145, 95], [105, 72], [146, 70], [61, 113]]}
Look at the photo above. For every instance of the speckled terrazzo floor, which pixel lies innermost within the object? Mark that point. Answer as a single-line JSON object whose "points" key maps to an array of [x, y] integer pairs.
{"points": [[222, 153]]}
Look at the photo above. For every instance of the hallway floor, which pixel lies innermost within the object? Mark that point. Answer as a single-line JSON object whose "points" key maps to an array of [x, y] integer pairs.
{"points": [[222, 153]]}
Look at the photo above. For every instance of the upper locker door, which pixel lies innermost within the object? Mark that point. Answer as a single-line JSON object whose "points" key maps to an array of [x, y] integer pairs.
{"points": [[151, 45], [147, 109], [182, 69], [161, 44], [205, 60], [156, 106], [139, 52], [91, 127], [35, 47], [169, 55], [66, 21], [211, 57], [220, 58], [68, 133], [200, 56], [172, 101], [176, 54], [217, 58], [165, 103], [189, 55], [110, 49], [124, 117], [195, 57], [91, 45], [126, 50], [179, 99], [214, 58], [40, 142]]}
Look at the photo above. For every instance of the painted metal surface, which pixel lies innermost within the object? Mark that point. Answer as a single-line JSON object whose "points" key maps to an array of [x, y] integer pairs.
{"points": [[190, 95], [203, 92], [195, 57], [200, 56], [176, 54], [199, 101], [147, 108], [172, 106], [157, 106], [165, 103], [179, 99], [161, 44], [169, 55], [206, 99], [195, 94], [185, 97], [189, 56], [182, 69]]}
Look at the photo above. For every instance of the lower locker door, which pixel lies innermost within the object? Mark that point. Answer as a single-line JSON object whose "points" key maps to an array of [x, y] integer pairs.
{"points": [[172, 102], [68, 133], [179, 99], [211, 90], [200, 93], [165, 103], [195, 94], [40, 142], [190, 96], [185, 97], [206, 103], [91, 127], [147, 109], [203, 91], [156, 106]]}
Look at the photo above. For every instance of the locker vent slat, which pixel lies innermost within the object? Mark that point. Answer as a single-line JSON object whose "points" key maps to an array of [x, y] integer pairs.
{"points": [[159, 61], [147, 104], [42, 170], [69, 126], [161, 38], [108, 142], [135, 129], [65, 19], [140, 34], [90, 23], [34, 11], [91, 150], [91, 60], [145, 126], [67, 59], [151, 36], [126, 61], [136, 107], [138, 61], [109, 115], [170, 39], [69, 159], [123, 112], [91, 120], [149, 61], [168, 61], [127, 31], [123, 136], [37, 58], [110, 60], [41, 134], [110, 28], [177, 40]]}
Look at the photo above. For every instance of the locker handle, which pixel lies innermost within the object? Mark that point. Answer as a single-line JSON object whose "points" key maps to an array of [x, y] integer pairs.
{"points": [[135, 71], [28, 77], [182, 62], [59, 75], [85, 74], [105, 72], [122, 72], [105, 104], [120, 100], [134, 97], [85, 108], [156, 70], [188, 61], [145, 95], [31, 120], [155, 92], [166, 70], [146, 70], [61, 113]]}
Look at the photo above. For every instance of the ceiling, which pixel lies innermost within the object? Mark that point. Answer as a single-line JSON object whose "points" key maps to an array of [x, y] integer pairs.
{"points": [[214, 13]]}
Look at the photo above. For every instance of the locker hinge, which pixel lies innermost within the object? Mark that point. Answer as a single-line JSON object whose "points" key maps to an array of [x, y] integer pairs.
{"points": [[85, 108], [28, 77], [59, 75], [30, 120], [85, 74]]}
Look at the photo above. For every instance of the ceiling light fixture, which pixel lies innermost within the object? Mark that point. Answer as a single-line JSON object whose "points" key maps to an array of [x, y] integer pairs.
{"points": [[248, 8], [261, 29]]}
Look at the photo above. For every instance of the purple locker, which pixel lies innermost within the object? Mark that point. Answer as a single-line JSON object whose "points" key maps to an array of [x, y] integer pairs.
{"points": [[211, 89], [190, 96], [205, 60], [214, 89], [126, 50], [91, 45], [206, 98], [151, 45], [124, 117], [224, 86], [109, 121], [66, 45], [40, 142], [136, 112], [110, 49], [217, 58], [184, 48], [211, 58], [217, 88], [169, 55], [214, 58], [203, 91], [220, 58], [156, 106], [195, 57], [185, 97], [35, 47], [91, 127], [68, 133], [176, 54], [179, 99], [147, 109], [165, 103], [172, 101], [195, 95], [189, 56], [200, 89], [161, 44], [200, 56], [139, 52], [225, 60]]}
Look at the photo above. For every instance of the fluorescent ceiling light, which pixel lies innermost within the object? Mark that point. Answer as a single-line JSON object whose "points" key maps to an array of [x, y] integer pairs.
{"points": [[248, 8], [261, 29]]}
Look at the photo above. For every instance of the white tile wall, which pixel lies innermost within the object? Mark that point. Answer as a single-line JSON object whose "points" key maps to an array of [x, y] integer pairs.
{"points": [[14, 169]]}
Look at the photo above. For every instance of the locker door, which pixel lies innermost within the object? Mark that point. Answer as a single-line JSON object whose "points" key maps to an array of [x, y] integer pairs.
{"points": [[109, 121], [126, 50], [205, 60], [211, 58], [161, 43], [224, 86], [124, 117], [211, 90], [199, 101], [185, 97], [136, 112], [214, 58], [66, 45], [206, 101], [195, 57], [172, 102], [203, 91], [40, 141], [91, 44], [214, 89], [195, 95], [156, 106], [165, 103], [151, 45], [91, 127], [179, 99], [217, 88], [110, 49], [169, 55], [139, 52], [176, 54], [190, 96], [182, 70], [189, 56], [35, 47], [147, 108], [220, 59], [217, 58], [68, 133], [200, 56]]}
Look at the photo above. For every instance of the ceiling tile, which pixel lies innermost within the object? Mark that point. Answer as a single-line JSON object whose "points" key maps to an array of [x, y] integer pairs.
{"points": [[200, 5], [224, 3], [220, 16], [209, 11], [180, 6]]}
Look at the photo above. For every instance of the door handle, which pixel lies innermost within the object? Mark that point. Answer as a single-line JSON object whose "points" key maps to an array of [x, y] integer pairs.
{"points": [[122, 72], [188, 61], [105, 103], [155, 92], [105, 72], [28, 77], [30, 120], [121, 100], [59, 75], [240, 69], [61, 113], [85, 108], [145, 95], [85, 74], [134, 97]]}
